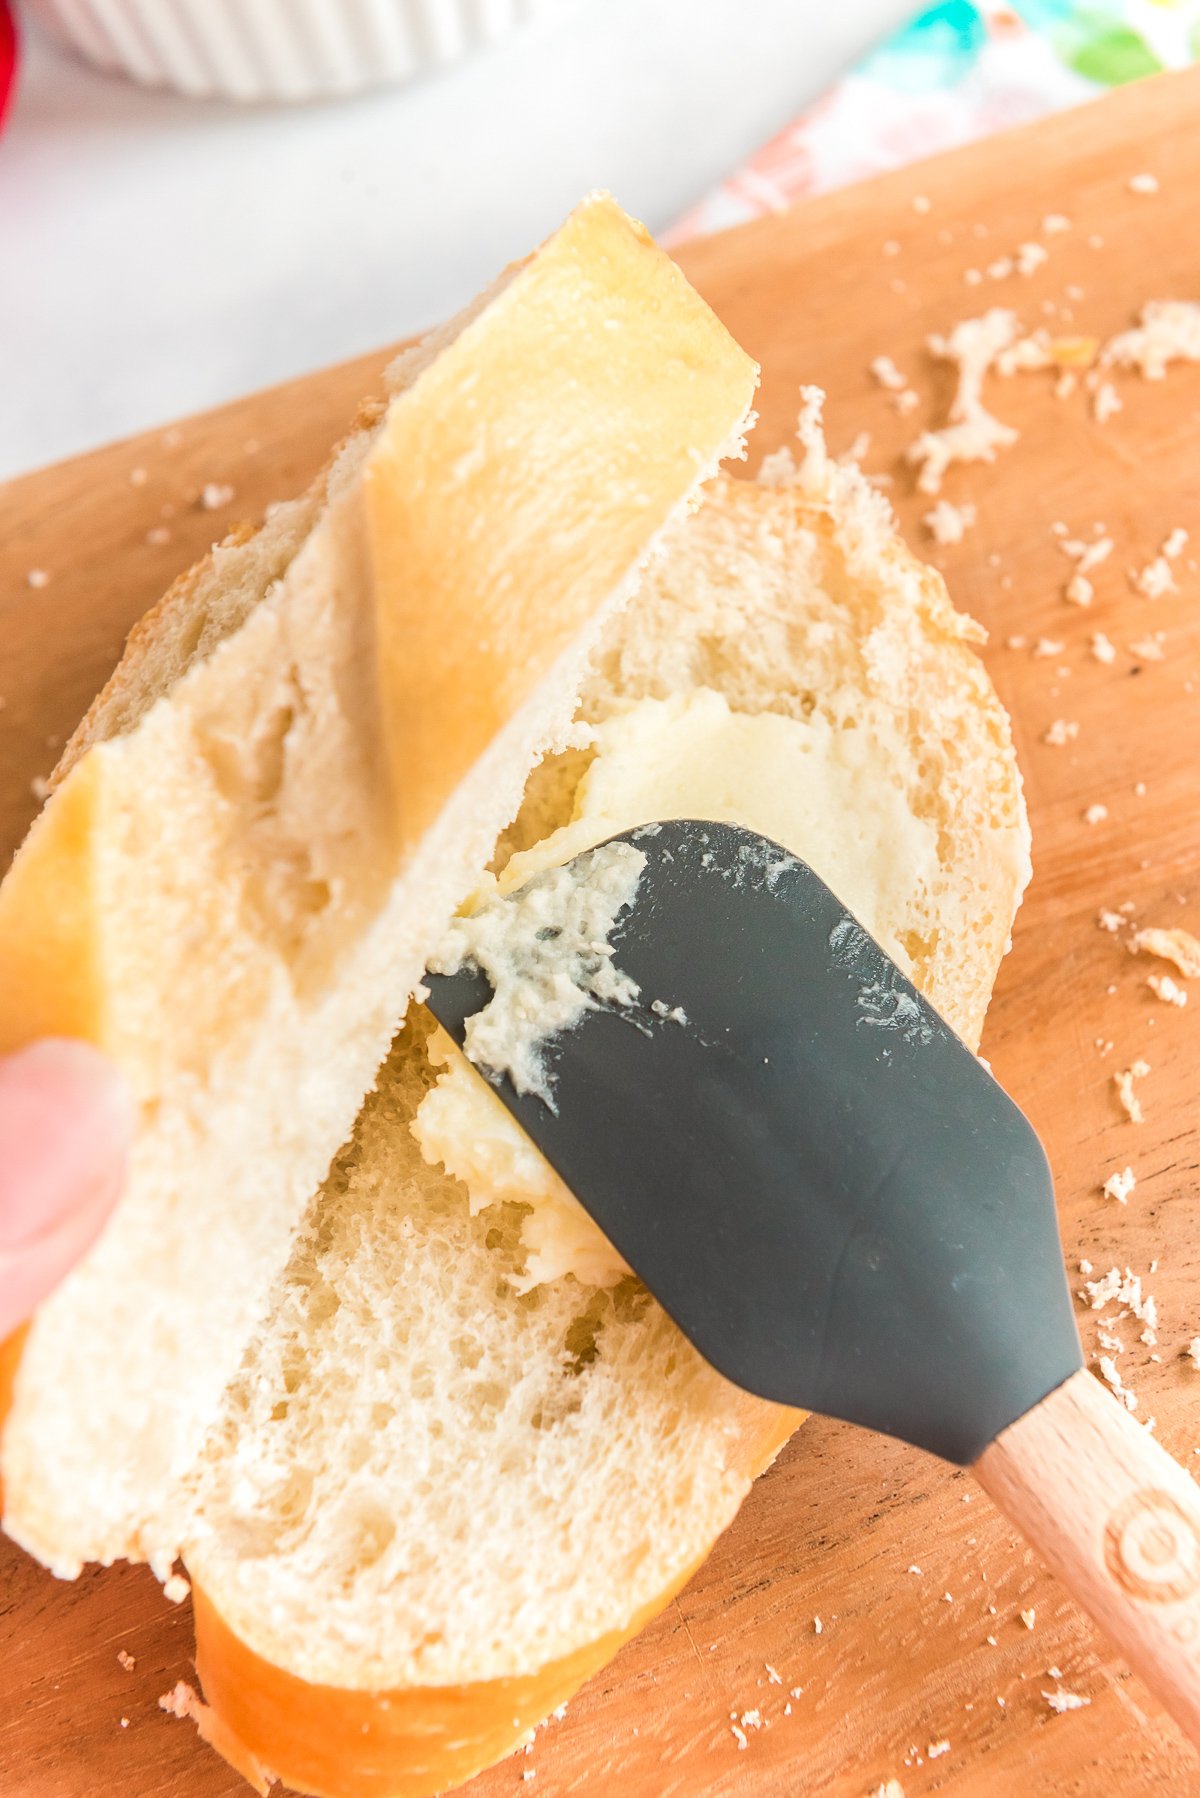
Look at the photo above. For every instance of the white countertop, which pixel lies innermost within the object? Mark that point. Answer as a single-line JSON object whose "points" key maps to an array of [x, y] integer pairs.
{"points": [[161, 255]]}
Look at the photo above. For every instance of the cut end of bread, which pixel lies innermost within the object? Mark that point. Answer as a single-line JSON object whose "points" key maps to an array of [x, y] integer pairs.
{"points": [[432, 1476]]}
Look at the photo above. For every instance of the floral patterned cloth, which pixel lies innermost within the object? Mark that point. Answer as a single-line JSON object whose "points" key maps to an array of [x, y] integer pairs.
{"points": [[959, 70]]}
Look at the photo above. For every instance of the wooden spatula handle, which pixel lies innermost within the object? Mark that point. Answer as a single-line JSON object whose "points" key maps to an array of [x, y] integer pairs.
{"points": [[1118, 1521]]}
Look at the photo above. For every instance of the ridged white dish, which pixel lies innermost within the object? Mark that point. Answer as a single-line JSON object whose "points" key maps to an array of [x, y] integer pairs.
{"points": [[276, 49]]}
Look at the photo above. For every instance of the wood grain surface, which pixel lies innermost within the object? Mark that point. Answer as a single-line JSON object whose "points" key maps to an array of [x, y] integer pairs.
{"points": [[919, 1584]]}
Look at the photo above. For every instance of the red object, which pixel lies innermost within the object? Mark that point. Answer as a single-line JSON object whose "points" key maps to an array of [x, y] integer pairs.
{"points": [[8, 56]]}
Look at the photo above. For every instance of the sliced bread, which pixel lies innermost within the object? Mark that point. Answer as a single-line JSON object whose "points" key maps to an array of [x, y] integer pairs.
{"points": [[262, 826], [443, 1492]]}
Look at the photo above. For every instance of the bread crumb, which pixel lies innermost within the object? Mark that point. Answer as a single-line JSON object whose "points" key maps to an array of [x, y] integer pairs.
{"points": [[176, 1588], [180, 1701], [1102, 649], [1048, 646], [796, 1692], [972, 434], [1030, 256], [1155, 579], [937, 1748], [972, 277], [1167, 331], [1175, 544], [1060, 733], [947, 523], [818, 1626], [214, 495], [1109, 1373], [1192, 1353], [1060, 1700], [1017, 642], [1119, 1185], [1079, 590], [37, 578], [787, 1709], [891, 1788], [39, 786], [947, 1598], [739, 1735], [1001, 269], [1106, 403], [772, 1676], [1085, 1267], [126, 1660], [528, 1773], [913, 1568], [887, 374], [906, 402], [1054, 223], [1177, 946], [1029, 1617], [1095, 814], [1128, 1100], [752, 1719], [1142, 184], [1166, 989], [1149, 648]]}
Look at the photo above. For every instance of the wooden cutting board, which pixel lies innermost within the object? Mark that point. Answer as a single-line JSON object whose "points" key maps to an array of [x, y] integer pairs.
{"points": [[919, 1585]]}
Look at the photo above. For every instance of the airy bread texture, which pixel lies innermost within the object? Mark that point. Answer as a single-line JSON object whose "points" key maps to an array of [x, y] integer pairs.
{"points": [[436, 1502], [265, 822]]}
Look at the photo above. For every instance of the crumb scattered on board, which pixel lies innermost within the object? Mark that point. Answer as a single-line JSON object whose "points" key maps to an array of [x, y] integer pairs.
{"points": [[948, 523], [1167, 331], [1177, 946], [1061, 1700], [1127, 1097], [1119, 1185], [971, 434]]}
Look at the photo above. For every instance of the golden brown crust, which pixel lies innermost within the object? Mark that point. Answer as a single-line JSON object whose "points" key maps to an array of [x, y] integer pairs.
{"points": [[410, 1743], [415, 1741]]}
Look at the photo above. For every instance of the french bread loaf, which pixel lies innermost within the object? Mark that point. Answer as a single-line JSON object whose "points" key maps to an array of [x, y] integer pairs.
{"points": [[260, 829], [441, 1495]]}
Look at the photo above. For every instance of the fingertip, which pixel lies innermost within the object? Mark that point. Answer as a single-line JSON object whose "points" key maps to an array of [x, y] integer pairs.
{"points": [[66, 1124]]}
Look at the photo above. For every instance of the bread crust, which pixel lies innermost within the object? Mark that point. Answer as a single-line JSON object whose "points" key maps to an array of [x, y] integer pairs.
{"points": [[415, 1741]]}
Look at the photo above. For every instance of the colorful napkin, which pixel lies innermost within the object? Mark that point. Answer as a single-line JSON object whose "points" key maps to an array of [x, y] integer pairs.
{"points": [[959, 70]]}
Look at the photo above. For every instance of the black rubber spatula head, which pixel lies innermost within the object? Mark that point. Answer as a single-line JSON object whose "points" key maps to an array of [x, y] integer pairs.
{"points": [[843, 1211], [823, 1187]]}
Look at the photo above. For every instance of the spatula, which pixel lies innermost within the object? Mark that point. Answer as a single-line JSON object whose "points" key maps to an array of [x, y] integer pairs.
{"points": [[843, 1211]]}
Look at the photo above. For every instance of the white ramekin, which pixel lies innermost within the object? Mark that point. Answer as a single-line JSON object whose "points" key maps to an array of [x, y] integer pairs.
{"points": [[276, 49]]}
